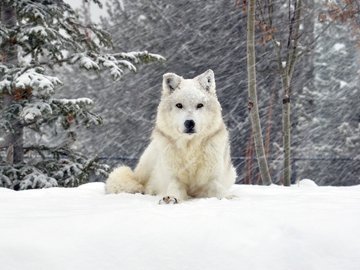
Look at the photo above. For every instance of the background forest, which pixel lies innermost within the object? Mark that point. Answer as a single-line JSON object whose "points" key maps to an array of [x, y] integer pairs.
{"points": [[194, 36]]}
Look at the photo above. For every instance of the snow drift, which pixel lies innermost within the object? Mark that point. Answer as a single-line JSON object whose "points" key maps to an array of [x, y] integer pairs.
{"points": [[274, 227]]}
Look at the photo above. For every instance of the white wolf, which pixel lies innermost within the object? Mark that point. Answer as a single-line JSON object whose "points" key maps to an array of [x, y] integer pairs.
{"points": [[189, 154]]}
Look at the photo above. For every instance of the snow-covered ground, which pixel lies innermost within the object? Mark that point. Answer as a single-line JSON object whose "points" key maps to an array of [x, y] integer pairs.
{"points": [[302, 227]]}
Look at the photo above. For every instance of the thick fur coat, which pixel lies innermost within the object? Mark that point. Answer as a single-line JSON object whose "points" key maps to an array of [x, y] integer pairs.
{"points": [[189, 152]]}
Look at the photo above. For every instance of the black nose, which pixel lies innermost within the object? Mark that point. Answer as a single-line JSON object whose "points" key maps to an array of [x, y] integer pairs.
{"points": [[189, 124]]}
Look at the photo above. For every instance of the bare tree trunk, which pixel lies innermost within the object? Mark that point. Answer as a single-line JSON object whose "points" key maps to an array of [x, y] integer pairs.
{"points": [[14, 139], [253, 102], [286, 123], [287, 76], [249, 160], [269, 121]]}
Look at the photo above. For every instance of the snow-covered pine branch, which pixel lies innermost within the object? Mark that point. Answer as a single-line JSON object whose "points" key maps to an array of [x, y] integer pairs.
{"points": [[85, 61], [42, 85], [59, 167], [35, 110], [140, 57], [76, 110], [115, 63], [28, 77]]}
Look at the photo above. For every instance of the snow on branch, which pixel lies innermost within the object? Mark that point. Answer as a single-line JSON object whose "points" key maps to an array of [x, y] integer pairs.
{"points": [[5, 84], [34, 78], [67, 172], [36, 110], [140, 57], [76, 110], [25, 177], [77, 102], [116, 63], [84, 61], [53, 166], [110, 62], [36, 179]]}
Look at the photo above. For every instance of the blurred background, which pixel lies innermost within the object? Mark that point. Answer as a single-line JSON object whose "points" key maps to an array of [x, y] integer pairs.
{"points": [[197, 35]]}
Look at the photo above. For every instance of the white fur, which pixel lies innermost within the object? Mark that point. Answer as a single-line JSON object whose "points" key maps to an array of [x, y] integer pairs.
{"points": [[176, 163]]}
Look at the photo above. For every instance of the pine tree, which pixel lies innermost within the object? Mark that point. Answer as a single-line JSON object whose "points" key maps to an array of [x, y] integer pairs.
{"points": [[35, 36]]}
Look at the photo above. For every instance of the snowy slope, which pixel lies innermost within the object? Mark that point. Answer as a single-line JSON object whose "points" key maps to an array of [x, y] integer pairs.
{"points": [[302, 227]]}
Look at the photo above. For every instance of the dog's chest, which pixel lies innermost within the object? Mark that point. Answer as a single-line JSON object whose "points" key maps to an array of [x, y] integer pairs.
{"points": [[192, 165]]}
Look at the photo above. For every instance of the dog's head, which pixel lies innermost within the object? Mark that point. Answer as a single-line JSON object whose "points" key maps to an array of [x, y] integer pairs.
{"points": [[189, 107]]}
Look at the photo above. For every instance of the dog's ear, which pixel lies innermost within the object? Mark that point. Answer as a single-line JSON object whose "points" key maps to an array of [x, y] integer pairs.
{"points": [[207, 81], [170, 82]]}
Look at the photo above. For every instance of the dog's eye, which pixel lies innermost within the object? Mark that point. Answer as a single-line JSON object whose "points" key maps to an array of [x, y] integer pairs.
{"points": [[179, 105], [200, 105]]}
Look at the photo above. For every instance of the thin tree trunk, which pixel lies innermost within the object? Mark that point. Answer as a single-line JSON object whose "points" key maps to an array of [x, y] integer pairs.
{"points": [[269, 124], [269, 121], [286, 123], [253, 102], [14, 139], [287, 76], [249, 159]]}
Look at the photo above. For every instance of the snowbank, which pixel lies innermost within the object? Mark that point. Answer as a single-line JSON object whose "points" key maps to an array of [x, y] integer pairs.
{"points": [[301, 227]]}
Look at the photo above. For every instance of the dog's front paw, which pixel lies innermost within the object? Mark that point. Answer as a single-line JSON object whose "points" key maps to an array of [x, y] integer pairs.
{"points": [[168, 200]]}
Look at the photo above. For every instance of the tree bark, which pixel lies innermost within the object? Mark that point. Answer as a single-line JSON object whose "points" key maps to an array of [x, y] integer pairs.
{"points": [[253, 101], [288, 71], [286, 123], [14, 139]]}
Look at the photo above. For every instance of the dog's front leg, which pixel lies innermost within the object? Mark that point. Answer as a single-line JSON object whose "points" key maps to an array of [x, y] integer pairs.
{"points": [[175, 193]]}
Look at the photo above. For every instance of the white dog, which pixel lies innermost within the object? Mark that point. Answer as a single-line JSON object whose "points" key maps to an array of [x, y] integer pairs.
{"points": [[189, 154]]}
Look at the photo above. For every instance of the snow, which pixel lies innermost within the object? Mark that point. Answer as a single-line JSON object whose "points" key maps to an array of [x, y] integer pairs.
{"points": [[121, 3], [95, 10], [38, 29], [305, 183], [339, 46], [138, 54], [111, 61], [34, 110], [142, 18], [263, 227], [74, 101], [85, 61], [40, 83], [343, 83]]}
